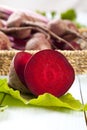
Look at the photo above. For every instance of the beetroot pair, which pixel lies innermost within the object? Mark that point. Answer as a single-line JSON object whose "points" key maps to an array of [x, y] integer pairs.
{"points": [[47, 71]]}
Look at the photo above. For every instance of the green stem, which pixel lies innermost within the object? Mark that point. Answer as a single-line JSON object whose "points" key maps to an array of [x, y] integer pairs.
{"points": [[1, 101]]}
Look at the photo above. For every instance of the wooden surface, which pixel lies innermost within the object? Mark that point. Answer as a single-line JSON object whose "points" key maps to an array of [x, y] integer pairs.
{"points": [[34, 118]]}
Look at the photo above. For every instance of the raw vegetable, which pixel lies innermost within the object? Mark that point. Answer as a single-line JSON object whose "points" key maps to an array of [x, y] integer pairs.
{"points": [[5, 43], [16, 74], [48, 71], [38, 42]]}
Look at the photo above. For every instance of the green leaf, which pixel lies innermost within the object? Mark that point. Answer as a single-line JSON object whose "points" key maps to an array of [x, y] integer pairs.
{"points": [[85, 107], [66, 101], [2, 108], [13, 97], [69, 14], [41, 12], [52, 13], [4, 88]]}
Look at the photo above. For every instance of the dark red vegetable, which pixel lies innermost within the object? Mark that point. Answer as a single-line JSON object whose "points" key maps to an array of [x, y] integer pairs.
{"points": [[48, 71]]}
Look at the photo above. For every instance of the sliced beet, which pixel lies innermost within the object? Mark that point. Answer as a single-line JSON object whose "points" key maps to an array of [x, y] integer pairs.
{"points": [[48, 71], [19, 64], [16, 72]]}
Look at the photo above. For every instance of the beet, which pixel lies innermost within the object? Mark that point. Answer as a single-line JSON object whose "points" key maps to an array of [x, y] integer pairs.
{"points": [[15, 20], [18, 18], [5, 43], [5, 12], [38, 17], [61, 27], [19, 44], [74, 44], [16, 73], [65, 29], [38, 42], [48, 71], [2, 23]]}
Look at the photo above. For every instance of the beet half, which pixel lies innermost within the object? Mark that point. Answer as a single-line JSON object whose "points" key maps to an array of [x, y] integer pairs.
{"points": [[16, 73], [48, 71]]}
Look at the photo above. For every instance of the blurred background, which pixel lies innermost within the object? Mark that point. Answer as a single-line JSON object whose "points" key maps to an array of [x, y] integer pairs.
{"points": [[47, 5], [50, 5]]}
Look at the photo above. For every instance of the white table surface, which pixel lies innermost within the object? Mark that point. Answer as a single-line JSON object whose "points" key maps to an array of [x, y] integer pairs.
{"points": [[35, 118]]}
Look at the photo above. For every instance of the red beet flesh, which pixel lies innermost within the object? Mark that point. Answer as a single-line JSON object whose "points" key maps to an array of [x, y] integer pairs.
{"points": [[48, 71], [20, 61]]}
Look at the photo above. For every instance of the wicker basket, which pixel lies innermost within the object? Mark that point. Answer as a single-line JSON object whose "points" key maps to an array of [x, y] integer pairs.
{"points": [[78, 60]]}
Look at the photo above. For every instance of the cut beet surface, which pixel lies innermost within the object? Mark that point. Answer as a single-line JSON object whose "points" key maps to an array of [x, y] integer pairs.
{"points": [[48, 71], [20, 61]]}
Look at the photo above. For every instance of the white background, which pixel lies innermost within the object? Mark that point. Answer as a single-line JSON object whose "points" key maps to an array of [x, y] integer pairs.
{"points": [[58, 5]]}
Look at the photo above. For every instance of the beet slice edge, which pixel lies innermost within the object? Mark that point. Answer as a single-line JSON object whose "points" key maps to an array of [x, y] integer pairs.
{"points": [[20, 61]]}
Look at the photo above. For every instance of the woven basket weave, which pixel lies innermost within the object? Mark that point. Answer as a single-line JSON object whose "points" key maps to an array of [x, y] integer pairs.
{"points": [[78, 60]]}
